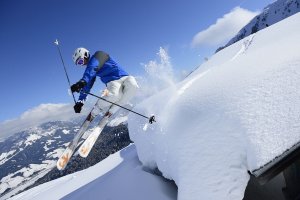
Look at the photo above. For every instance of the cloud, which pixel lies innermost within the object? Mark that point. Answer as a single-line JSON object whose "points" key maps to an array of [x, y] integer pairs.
{"points": [[224, 29], [35, 116]]}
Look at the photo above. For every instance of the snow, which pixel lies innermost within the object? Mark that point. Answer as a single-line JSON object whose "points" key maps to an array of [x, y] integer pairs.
{"points": [[66, 131], [56, 153], [3, 187], [117, 121], [25, 177], [15, 181], [120, 176], [5, 156], [46, 148], [49, 142], [31, 138], [20, 183], [34, 168], [235, 113]]}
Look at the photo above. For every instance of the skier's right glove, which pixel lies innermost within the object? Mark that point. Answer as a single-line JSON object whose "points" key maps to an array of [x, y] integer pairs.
{"points": [[78, 86], [78, 106]]}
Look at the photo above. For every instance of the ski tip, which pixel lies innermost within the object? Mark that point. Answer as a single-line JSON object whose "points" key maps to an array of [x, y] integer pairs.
{"points": [[60, 166], [64, 159], [84, 152]]}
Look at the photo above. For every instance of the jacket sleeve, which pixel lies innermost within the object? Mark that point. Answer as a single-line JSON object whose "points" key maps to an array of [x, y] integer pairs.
{"points": [[91, 70], [87, 88], [89, 77]]}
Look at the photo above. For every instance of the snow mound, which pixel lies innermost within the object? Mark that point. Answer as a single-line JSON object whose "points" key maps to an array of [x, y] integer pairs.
{"points": [[119, 176], [237, 112]]}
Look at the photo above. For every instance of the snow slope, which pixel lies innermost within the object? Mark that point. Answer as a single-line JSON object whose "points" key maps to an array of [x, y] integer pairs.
{"points": [[120, 176], [235, 113]]}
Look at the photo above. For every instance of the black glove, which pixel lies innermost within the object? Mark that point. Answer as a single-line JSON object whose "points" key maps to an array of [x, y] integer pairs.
{"points": [[78, 106], [78, 86]]}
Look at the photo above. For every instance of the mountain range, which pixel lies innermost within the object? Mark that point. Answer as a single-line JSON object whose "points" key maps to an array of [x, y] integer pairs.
{"points": [[28, 158]]}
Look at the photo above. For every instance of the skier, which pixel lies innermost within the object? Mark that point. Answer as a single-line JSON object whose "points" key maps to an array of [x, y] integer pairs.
{"points": [[120, 86]]}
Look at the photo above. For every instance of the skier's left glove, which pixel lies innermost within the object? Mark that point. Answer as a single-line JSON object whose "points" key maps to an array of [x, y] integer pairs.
{"points": [[78, 106], [78, 86]]}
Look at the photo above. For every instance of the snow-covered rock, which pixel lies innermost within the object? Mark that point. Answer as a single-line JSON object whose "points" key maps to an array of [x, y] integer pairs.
{"points": [[235, 113]]}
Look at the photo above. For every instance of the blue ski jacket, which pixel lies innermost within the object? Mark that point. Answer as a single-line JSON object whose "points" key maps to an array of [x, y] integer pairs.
{"points": [[109, 71]]}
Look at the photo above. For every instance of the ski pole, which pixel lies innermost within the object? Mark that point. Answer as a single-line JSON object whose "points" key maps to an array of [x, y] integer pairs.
{"points": [[151, 119], [62, 60]]}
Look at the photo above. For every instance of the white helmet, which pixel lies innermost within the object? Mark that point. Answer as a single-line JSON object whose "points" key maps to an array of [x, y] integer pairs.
{"points": [[80, 53]]}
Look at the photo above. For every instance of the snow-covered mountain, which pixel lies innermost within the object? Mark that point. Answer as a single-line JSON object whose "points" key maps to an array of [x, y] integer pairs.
{"points": [[29, 158], [31, 153], [271, 14]]}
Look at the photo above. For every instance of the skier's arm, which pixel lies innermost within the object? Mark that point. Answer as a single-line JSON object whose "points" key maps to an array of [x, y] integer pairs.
{"points": [[91, 70], [86, 89], [88, 78]]}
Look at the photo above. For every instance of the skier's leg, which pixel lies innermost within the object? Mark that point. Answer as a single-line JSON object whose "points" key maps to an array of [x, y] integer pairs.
{"points": [[96, 110], [129, 90], [114, 90]]}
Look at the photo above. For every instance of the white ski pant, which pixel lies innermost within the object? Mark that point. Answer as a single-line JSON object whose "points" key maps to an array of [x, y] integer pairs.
{"points": [[117, 91]]}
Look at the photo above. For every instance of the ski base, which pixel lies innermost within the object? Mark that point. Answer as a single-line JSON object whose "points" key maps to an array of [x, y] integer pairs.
{"points": [[88, 144]]}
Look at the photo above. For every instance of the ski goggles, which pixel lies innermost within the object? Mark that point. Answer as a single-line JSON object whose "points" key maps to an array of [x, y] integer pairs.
{"points": [[80, 61]]}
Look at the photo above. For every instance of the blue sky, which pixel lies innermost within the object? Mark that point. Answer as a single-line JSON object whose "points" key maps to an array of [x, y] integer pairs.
{"points": [[131, 31]]}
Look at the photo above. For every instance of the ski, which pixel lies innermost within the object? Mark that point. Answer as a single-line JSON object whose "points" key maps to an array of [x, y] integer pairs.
{"points": [[67, 154], [88, 144]]}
